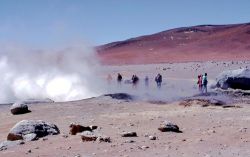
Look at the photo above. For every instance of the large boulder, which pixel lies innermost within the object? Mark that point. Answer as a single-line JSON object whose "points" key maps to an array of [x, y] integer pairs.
{"points": [[235, 79], [19, 108], [29, 130]]}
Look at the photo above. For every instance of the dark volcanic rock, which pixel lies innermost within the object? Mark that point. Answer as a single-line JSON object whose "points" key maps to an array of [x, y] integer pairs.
{"points": [[120, 96], [235, 79], [19, 108], [31, 130], [129, 134], [169, 127]]}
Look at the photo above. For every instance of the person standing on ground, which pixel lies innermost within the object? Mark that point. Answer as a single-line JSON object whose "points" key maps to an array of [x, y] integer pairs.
{"points": [[135, 80], [119, 79], [158, 80], [199, 82], [204, 83], [146, 81]]}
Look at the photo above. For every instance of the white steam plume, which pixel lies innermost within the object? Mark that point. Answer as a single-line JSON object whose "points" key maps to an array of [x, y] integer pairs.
{"points": [[61, 75]]}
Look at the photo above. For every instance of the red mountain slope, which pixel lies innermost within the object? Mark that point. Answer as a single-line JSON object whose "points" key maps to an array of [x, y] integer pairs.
{"points": [[197, 43]]}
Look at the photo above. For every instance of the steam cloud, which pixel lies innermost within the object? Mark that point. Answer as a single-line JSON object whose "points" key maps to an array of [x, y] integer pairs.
{"points": [[60, 75]]}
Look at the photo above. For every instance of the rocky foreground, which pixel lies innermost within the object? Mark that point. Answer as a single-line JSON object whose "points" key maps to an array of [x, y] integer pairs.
{"points": [[134, 128]]}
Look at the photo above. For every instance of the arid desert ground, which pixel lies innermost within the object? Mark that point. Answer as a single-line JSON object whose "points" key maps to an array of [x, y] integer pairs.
{"points": [[210, 131]]}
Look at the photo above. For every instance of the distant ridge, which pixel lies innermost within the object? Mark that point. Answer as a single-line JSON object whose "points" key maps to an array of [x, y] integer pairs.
{"points": [[195, 43]]}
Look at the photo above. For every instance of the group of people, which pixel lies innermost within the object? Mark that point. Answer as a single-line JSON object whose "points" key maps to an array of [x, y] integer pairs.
{"points": [[202, 83], [135, 80]]}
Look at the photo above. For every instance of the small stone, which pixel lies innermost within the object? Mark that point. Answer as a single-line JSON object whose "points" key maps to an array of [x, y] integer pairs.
{"points": [[129, 141], [104, 139], [65, 136], [129, 134], [131, 124], [152, 137], [45, 139], [144, 147]]}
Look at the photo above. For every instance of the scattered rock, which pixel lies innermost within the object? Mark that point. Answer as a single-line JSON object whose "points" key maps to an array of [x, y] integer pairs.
{"points": [[169, 127], [29, 151], [129, 141], [129, 134], [104, 139], [144, 147], [76, 128], [29, 130], [19, 108], [68, 148], [243, 130], [152, 137], [91, 136], [88, 136], [65, 136]]}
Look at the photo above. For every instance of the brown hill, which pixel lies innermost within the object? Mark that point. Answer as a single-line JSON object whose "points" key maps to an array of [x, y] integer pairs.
{"points": [[196, 43]]}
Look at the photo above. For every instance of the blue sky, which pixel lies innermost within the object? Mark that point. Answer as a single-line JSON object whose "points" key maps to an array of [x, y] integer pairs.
{"points": [[48, 23]]}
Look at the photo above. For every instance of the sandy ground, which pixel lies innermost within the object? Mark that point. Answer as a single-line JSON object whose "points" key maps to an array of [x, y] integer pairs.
{"points": [[207, 131]]}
